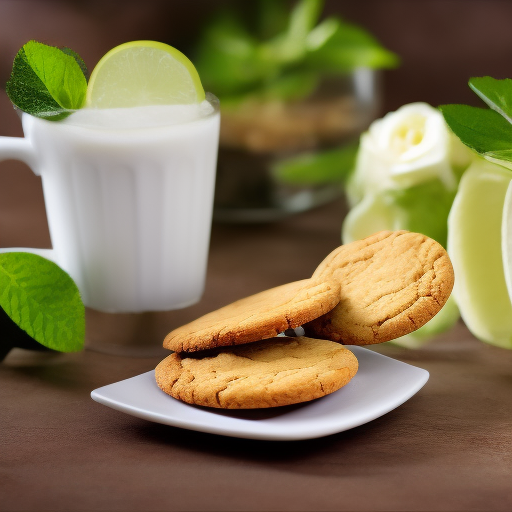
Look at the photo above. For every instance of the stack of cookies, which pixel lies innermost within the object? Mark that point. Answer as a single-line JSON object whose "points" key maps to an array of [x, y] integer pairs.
{"points": [[366, 292]]}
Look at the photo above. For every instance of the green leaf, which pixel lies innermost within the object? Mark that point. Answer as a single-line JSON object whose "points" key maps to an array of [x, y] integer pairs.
{"points": [[290, 86], [496, 93], [322, 33], [349, 47], [304, 17], [290, 46], [331, 166], [273, 18], [46, 81], [237, 63], [42, 300], [78, 59], [483, 130], [228, 59]]}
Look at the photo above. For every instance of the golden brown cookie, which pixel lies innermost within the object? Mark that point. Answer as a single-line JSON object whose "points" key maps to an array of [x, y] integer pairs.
{"points": [[268, 373], [257, 317], [392, 283]]}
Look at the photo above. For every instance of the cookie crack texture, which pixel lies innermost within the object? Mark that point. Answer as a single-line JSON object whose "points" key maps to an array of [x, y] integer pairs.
{"points": [[218, 393], [392, 283], [267, 373], [217, 397], [260, 316]]}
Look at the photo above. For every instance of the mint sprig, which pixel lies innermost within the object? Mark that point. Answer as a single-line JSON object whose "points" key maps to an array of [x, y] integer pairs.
{"points": [[486, 131], [253, 56], [42, 300], [47, 82]]}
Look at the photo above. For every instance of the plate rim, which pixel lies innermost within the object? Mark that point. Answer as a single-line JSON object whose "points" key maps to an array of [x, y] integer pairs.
{"points": [[331, 428]]}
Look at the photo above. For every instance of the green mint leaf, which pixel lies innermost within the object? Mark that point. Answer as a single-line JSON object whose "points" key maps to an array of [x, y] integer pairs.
{"points": [[291, 86], [290, 46], [46, 81], [240, 58], [228, 59], [322, 33], [483, 130], [42, 300], [28, 93], [273, 18], [349, 47], [332, 166], [78, 59], [303, 18], [504, 155], [496, 93], [60, 73]]}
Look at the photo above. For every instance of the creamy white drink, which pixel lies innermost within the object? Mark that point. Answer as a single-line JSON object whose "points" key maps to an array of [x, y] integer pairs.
{"points": [[129, 196], [127, 161]]}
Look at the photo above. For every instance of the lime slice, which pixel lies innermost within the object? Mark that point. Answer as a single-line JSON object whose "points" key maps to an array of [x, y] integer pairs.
{"points": [[475, 248], [143, 73]]}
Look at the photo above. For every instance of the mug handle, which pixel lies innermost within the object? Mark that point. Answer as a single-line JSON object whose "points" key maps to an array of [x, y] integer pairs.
{"points": [[19, 148]]}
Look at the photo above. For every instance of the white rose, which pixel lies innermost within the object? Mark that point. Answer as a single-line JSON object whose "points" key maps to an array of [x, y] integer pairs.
{"points": [[409, 147], [403, 149]]}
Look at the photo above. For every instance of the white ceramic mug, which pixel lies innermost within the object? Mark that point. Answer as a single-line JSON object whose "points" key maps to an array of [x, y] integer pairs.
{"points": [[129, 208]]}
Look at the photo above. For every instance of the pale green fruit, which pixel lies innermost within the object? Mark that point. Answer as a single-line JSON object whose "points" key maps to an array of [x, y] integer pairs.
{"points": [[475, 228]]}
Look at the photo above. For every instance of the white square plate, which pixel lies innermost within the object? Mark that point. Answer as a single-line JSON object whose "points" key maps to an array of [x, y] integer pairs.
{"points": [[380, 385]]}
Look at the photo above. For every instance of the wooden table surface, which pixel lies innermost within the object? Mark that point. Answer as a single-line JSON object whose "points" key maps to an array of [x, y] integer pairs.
{"points": [[448, 448]]}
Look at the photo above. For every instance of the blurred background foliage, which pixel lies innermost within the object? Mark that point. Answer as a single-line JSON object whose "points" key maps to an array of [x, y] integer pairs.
{"points": [[440, 42], [276, 50], [280, 48]]}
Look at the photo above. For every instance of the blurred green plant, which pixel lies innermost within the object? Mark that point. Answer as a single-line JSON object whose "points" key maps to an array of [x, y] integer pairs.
{"points": [[270, 51], [331, 166]]}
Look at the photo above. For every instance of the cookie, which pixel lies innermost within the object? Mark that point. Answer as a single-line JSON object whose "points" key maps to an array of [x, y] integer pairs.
{"points": [[257, 317], [268, 373], [392, 283]]}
